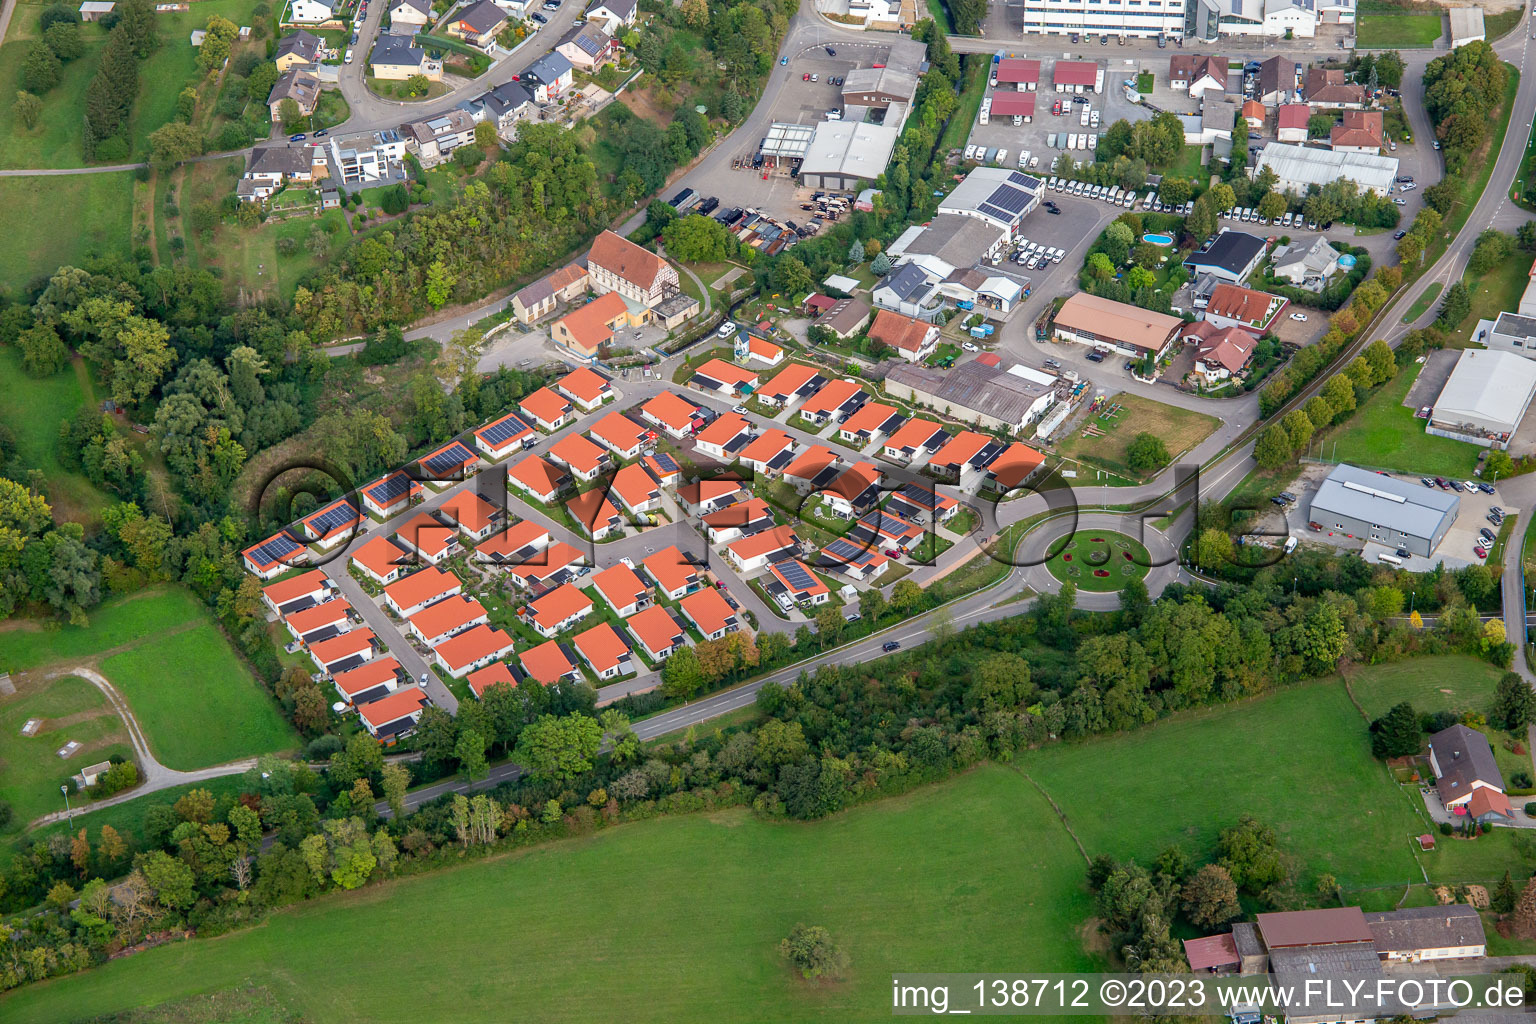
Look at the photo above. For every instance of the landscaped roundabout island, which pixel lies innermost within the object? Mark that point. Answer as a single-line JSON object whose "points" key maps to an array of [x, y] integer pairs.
{"points": [[1098, 560]]}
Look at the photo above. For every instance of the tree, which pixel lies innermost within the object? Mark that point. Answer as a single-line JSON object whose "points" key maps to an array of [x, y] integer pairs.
{"points": [[40, 69], [1210, 897], [259, 83], [1272, 205], [289, 114], [1525, 236], [1455, 306], [558, 749], [696, 239], [810, 949], [1147, 452], [1493, 247], [42, 352], [64, 40], [682, 676], [1514, 704], [696, 13], [1523, 922], [169, 879], [470, 753], [417, 85], [1320, 126], [1100, 267], [28, 109], [397, 779], [1397, 733], [1249, 853], [172, 143], [218, 37], [1273, 447], [1498, 465], [1503, 900], [486, 137], [880, 265]]}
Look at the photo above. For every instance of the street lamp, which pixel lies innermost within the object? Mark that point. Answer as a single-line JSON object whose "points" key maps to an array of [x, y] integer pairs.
{"points": [[69, 814]]}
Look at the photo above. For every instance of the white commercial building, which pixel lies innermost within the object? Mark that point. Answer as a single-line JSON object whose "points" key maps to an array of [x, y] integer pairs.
{"points": [[1299, 167], [1272, 18], [1466, 26], [1485, 398], [996, 195], [847, 156], [1147, 19]]}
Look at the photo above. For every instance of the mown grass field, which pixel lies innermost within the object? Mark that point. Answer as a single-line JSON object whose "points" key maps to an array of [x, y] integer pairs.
{"points": [[55, 140], [196, 700], [1453, 683], [972, 874], [99, 208], [1384, 434], [1180, 429], [32, 409], [30, 772], [1401, 29], [119, 621]]}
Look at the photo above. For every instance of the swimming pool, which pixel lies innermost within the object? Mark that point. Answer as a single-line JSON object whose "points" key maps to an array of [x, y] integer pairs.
{"points": [[1157, 239]]}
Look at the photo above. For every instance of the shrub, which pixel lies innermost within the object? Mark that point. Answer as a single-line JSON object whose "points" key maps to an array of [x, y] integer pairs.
{"points": [[1530, 808], [1445, 828], [1520, 780]]}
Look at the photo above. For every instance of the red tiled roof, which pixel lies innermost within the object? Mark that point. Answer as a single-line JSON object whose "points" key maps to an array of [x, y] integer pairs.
{"points": [[764, 348], [914, 432], [412, 489], [588, 326], [671, 569], [396, 706], [869, 417], [810, 462], [350, 523], [483, 679], [283, 591], [472, 645], [816, 587], [510, 439], [700, 491], [1016, 462], [547, 562], [367, 676], [546, 663], [437, 619], [740, 514], [708, 610], [318, 615], [588, 385], [619, 585], [545, 405], [579, 453], [469, 510], [558, 605], [728, 373], [624, 259], [671, 409], [959, 449], [343, 646], [831, 396], [593, 510], [539, 476], [760, 543], [655, 628], [1238, 303], [381, 555], [1211, 951], [513, 539], [724, 429], [425, 584], [766, 446], [601, 645], [623, 432], [634, 485], [426, 534], [1294, 115], [855, 480], [787, 381]]}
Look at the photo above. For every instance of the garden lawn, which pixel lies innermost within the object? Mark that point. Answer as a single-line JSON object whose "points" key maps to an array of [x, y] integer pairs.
{"points": [[32, 409], [1383, 434], [1495, 291], [1298, 760], [972, 874], [71, 709], [1072, 563], [55, 141], [100, 210], [1400, 30], [1454, 683], [118, 621], [1180, 429], [197, 702]]}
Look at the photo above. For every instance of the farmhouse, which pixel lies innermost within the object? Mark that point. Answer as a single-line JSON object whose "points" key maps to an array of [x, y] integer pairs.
{"points": [[1467, 778], [615, 264]]}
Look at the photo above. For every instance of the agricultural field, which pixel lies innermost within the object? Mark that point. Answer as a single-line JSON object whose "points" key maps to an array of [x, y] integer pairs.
{"points": [[100, 208], [1100, 441], [70, 709], [920, 879], [32, 409]]}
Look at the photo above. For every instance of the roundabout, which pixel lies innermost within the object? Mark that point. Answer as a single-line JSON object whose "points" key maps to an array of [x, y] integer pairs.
{"points": [[1099, 560]]}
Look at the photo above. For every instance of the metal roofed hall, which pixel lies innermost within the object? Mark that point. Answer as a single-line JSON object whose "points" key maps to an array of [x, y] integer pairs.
{"points": [[956, 240], [1384, 509], [996, 194], [787, 140], [1314, 927], [1301, 166], [1488, 391], [840, 151]]}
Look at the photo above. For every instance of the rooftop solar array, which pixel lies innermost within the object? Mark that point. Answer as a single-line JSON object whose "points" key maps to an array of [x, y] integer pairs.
{"points": [[274, 550], [990, 451], [667, 462], [796, 575], [448, 460], [501, 430], [699, 380], [920, 495], [338, 515], [389, 490]]}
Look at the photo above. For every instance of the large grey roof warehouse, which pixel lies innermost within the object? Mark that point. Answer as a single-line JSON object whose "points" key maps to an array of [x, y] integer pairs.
{"points": [[1375, 507]]}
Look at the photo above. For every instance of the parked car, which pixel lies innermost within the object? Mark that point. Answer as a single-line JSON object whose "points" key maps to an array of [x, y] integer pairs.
{"points": [[1480, 551], [783, 62], [969, 346], [891, 645], [1402, 552], [1470, 485], [1487, 489], [805, 77], [1440, 483], [297, 138], [1456, 486], [831, 52], [1427, 482], [739, 410], [323, 132], [1299, 317], [1398, 235], [536, 16]]}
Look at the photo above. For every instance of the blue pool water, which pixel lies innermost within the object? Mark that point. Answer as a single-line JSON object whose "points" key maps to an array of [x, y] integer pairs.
{"points": [[1157, 239], [1346, 261]]}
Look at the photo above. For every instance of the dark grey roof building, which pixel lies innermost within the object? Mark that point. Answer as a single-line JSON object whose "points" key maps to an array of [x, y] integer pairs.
{"points": [[1399, 514], [1232, 257], [301, 44], [1428, 933], [1462, 761]]}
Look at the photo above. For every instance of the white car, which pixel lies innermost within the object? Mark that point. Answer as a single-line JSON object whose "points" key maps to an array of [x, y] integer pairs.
{"points": [[1400, 202], [348, 59], [1300, 318], [969, 347], [739, 410], [727, 329]]}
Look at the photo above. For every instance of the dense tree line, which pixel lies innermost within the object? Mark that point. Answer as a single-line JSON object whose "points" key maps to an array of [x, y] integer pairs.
{"points": [[111, 93], [1461, 92]]}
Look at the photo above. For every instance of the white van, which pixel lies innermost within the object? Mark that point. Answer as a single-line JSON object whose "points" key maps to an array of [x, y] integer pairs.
{"points": [[1002, 156], [1290, 545], [1389, 558], [970, 152]]}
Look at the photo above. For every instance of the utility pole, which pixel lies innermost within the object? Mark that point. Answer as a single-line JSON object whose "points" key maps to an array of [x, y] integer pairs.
{"points": [[68, 814]]}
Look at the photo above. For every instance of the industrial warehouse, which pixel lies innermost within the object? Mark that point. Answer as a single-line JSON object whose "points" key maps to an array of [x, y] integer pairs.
{"points": [[1374, 507]]}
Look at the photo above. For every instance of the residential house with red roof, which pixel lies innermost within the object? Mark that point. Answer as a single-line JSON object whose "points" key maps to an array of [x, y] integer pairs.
{"points": [[725, 437], [370, 681], [623, 589], [769, 452], [343, 651], [813, 468], [854, 491], [916, 438], [549, 663], [702, 497], [724, 378], [914, 340], [736, 521], [538, 478], [711, 614], [472, 649], [1232, 305], [615, 264], [298, 592], [622, 435], [1291, 122], [635, 488], [890, 533], [1220, 352], [436, 623], [755, 552], [657, 631], [862, 562], [674, 574], [391, 494], [546, 410], [605, 651], [585, 460], [518, 543], [834, 402], [426, 586], [558, 610], [873, 421], [553, 566], [791, 385], [428, 539], [539, 299], [451, 463], [274, 556], [760, 350], [918, 500], [332, 524], [475, 517], [595, 515], [382, 560], [1017, 463], [393, 717], [967, 451], [792, 582], [497, 673], [1361, 132], [505, 436], [672, 413], [586, 331], [320, 621], [664, 468]]}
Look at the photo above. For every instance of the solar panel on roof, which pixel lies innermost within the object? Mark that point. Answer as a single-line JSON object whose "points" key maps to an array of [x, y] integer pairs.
{"points": [[995, 211], [448, 459], [920, 495], [385, 492], [700, 380], [1009, 198], [795, 575], [666, 462], [274, 550], [340, 514], [500, 431]]}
